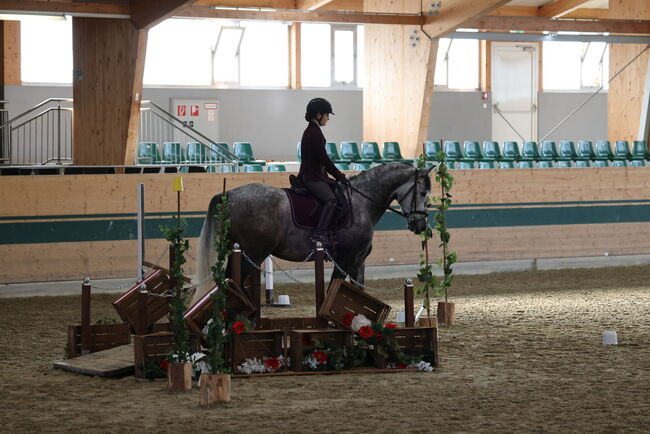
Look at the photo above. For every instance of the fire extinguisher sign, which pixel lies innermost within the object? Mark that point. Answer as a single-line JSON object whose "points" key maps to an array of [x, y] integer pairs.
{"points": [[181, 110]]}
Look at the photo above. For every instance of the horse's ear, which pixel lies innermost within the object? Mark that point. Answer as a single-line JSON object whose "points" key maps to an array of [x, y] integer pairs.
{"points": [[428, 170]]}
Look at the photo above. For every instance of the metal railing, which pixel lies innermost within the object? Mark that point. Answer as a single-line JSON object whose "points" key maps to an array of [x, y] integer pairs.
{"points": [[159, 126], [4, 135], [40, 135]]}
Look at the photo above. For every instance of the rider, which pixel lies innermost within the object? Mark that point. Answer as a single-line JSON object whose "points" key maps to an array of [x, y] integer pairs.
{"points": [[316, 164]]}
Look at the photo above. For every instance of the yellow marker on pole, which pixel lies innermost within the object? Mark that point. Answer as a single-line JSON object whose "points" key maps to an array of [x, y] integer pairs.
{"points": [[178, 183]]}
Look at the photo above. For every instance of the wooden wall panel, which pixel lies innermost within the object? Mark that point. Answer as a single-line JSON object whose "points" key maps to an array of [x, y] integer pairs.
{"points": [[10, 45], [108, 57], [626, 91]]}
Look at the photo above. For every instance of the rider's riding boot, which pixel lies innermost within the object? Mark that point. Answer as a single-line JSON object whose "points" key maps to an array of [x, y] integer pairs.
{"points": [[321, 234]]}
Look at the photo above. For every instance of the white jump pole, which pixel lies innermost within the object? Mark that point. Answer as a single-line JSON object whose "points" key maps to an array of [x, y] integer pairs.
{"points": [[140, 224], [268, 279]]}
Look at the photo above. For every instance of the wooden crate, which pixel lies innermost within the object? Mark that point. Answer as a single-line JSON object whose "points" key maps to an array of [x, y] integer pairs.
{"points": [[102, 337], [258, 344], [151, 348], [237, 303], [303, 340], [415, 341], [344, 298], [127, 307], [291, 323]]}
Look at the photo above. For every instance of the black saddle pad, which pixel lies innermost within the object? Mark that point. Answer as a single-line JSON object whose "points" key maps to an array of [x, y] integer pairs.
{"points": [[305, 211]]}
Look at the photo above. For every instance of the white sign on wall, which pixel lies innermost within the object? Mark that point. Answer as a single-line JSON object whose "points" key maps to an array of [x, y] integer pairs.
{"points": [[202, 115]]}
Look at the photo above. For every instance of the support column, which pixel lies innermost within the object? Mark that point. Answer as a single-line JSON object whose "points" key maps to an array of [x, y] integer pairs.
{"points": [[108, 58], [295, 69]]}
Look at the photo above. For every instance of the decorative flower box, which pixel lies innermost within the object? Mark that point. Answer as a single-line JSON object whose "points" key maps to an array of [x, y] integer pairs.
{"points": [[257, 344], [343, 299], [102, 337], [415, 341], [150, 349], [301, 341], [292, 323]]}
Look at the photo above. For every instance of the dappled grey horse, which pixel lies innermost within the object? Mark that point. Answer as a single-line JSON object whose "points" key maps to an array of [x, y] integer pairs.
{"points": [[261, 222]]}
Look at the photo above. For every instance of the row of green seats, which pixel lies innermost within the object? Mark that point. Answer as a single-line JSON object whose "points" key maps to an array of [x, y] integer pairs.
{"points": [[542, 164], [547, 151], [194, 153], [349, 153]]}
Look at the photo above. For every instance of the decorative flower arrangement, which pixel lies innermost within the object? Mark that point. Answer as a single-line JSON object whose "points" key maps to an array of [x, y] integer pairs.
{"points": [[324, 357], [263, 365]]}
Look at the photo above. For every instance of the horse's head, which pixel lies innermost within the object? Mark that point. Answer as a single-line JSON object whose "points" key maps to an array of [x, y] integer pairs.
{"points": [[412, 198]]}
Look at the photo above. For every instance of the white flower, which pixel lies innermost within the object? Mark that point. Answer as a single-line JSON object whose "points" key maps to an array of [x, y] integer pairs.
{"points": [[360, 321], [423, 366], [311, 362]]}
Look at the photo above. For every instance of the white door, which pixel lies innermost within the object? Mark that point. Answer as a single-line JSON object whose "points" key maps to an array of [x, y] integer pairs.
{"points": [[514, 77]]}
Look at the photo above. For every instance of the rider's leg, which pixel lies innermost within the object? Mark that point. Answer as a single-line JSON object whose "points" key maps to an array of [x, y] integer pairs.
{"points": [[325, 196]]}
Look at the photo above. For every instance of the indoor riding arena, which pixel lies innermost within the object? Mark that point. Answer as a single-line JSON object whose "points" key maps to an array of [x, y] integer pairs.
{"points": [[325, 216]]}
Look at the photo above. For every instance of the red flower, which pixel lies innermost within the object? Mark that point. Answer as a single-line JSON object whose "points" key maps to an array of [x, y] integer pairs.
{"points": [[224, 314], [378, 335], [347, 319], [390, 325], [164, 365], [238, 327], [320, 356], [401, 365], [272, 363], [366, 332]]}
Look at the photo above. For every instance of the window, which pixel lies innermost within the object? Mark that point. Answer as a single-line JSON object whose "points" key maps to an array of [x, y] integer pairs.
{"points": [[46, 59], [265, 54], [331, 55], [225, 55], [575, 65], [457, 64]]}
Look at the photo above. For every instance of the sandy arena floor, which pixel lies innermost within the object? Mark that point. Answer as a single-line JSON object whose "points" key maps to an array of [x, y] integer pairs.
{"points": [[525, 356]]}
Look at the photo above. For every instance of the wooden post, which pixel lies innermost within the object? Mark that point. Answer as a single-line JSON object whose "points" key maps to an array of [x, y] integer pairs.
{"points": [[214, 387], [236, 265], [319, 280], [142, 310], [255, 295], [408, 303], [85, 316]]}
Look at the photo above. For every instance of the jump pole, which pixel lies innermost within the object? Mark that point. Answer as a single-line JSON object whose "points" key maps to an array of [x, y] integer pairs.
{"points": [[319, 280], [85, 316], [408, 303], [268, 279], [140, 224]]}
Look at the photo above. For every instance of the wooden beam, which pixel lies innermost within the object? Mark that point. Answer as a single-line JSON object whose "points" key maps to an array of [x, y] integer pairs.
{"points": [[299, 16], [108, 67], [559, 8], [295, 70], [10, 46], [586, 13], [147, 13], [456, 13], [529, 24], [516, 11], [116, 10], [271, 4]]}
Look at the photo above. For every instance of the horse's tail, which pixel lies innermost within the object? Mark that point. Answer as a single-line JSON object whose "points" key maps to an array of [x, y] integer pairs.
{"points": [[206, 256]]}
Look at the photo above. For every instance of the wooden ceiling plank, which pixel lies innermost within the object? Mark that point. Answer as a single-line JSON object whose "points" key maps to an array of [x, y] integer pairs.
{"points": [[147, 13], [530, 24], [456, 13], [559, 8], [516, 11], [121, 10], [271, 4], [311, 5]]}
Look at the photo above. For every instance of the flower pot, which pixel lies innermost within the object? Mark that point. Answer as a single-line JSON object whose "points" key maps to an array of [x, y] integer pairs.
{"points": [[214, 388], [446, 313], [428, 322], [179, 377]]}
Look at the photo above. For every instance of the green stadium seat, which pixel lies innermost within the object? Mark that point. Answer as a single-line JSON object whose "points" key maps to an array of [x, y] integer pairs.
{"points": [[619, 163], [529, 151], [525, 164], [640, 150], [360, 166], [332, 152], [299, 153], [511, 152], [582, 163], [195, 153], [451, 164], [253, 168], [486, 164], [506, 164], [622, 150], [350, 152], [342, 166], [563, 164], [466, 165], [217, 152], [184, 169], [431, 150], [472, 151], [221, 169], [392, 152], [585, 151], [545, 164], [148, 153], [637, 163], [491, 151], [244, 153], [601, 163], [452, 151], [370, 152], [548, 151], [603, 150], [567, 151], [276, 168], [173, 153]]}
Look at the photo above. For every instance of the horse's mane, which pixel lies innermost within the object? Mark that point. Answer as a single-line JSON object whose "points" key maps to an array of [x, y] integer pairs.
{"points": [[382, 167]]}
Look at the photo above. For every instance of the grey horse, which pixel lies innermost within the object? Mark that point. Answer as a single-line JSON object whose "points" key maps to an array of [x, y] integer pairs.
{"points": [[262, 225]]}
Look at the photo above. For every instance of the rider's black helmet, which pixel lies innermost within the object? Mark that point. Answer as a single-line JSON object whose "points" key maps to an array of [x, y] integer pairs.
{"points": [[317, 105]]}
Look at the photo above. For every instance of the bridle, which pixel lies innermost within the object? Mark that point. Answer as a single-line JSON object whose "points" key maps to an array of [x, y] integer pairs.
{"points": [[408, 215]]}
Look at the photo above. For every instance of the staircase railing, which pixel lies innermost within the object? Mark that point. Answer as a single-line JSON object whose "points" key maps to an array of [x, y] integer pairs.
{"points": [[40, 135]]}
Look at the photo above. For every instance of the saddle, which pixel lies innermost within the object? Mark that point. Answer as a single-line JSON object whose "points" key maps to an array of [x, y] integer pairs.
{"points": [[306, 209]]}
